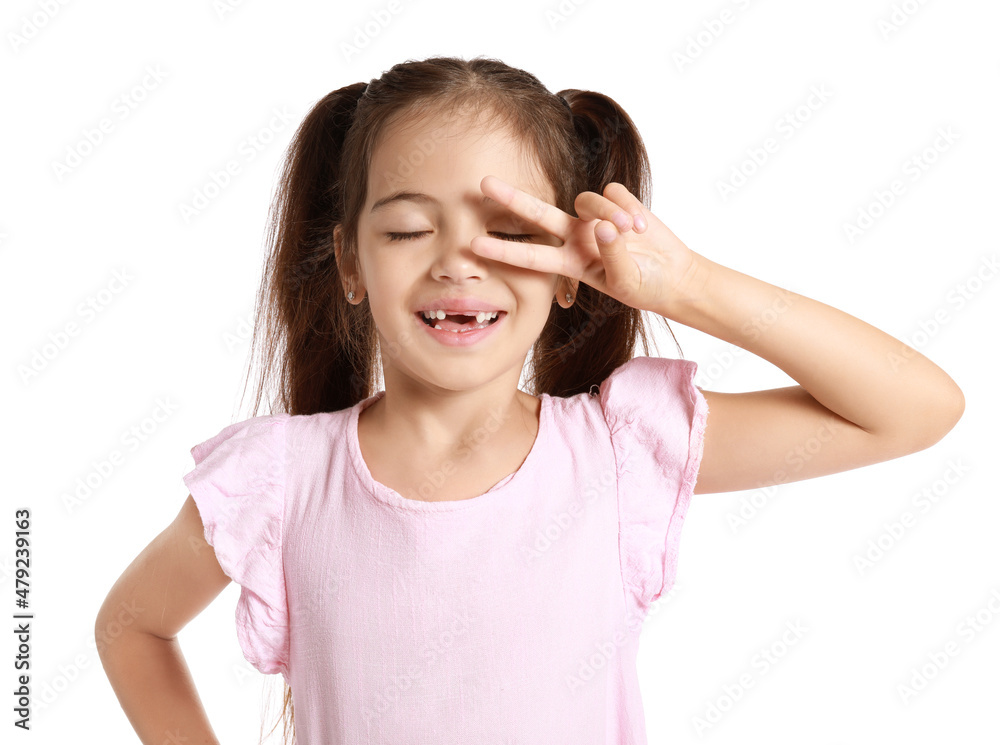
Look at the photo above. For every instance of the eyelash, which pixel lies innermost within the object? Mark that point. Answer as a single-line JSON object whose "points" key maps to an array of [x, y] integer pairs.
{"points": [[517, 237]]}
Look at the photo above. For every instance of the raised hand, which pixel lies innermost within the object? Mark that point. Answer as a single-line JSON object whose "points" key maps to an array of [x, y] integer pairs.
{"points": [[642, 264]]}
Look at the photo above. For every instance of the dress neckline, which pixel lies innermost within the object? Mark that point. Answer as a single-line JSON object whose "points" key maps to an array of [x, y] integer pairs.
{"points": [[491, 496]]}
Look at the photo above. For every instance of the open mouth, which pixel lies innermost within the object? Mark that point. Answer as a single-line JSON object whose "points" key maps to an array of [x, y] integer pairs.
{"points": [[462, 322]]}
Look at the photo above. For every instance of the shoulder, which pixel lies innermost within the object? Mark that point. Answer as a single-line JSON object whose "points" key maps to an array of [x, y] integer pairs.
{"points": [[646, 371], [255, 431], [644, 386], [319, 425]]}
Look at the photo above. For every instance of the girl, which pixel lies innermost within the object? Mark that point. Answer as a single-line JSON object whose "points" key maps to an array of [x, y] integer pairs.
{"points": [[456, 558]]}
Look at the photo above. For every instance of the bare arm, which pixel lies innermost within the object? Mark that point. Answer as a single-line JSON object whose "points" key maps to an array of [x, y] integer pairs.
{"points": [[174, 578], [864, 397]]}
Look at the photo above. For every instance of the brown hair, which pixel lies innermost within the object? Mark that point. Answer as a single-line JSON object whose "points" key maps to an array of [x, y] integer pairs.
{"points": [[322, 351]]}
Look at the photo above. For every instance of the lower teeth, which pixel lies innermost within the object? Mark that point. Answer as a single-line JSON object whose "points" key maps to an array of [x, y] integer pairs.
{"points": [[477, 327], [457, 331]]}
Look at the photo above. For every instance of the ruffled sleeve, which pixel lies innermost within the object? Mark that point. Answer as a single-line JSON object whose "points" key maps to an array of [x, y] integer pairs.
{"points": [[238, 484], [657, 419]]}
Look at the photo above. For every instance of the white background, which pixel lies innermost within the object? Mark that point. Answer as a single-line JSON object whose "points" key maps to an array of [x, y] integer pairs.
{"points": [[176, 331]]}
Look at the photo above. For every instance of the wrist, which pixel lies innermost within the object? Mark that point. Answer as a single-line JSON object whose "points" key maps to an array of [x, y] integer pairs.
{"points": [[691, 290]]}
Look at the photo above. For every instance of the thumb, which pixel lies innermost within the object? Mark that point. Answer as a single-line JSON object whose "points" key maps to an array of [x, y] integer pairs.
{"points": [[615, 256]]}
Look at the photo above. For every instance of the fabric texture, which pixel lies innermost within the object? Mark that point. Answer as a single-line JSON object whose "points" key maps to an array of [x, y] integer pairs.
{"points": [[511, 617], [239, 488]]}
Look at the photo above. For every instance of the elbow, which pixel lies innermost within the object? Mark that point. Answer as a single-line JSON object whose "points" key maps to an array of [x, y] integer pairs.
{"points": [[107, 626], [924, 424], [935, 419], [100, 630], [949, 411], [956, 409], [951, 414]]}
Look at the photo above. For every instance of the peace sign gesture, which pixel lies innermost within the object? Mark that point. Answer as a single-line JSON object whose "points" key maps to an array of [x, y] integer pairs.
{"points": [[643, 264]]}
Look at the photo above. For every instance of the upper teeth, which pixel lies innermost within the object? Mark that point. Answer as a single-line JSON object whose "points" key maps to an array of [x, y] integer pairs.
{"points": [[481, 316]]}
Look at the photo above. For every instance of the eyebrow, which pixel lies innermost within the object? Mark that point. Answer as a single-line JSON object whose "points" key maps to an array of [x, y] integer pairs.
{"points": [[420, 198]]}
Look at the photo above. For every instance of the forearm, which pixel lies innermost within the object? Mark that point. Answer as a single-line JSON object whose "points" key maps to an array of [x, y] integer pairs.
{"points": [[850, 367], [155, 689]]}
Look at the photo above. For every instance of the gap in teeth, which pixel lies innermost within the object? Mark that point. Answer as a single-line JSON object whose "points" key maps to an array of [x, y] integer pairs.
{"points": [[481, 317]]}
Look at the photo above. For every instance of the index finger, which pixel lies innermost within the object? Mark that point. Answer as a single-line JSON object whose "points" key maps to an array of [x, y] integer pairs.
{"points": [[550, 218]]}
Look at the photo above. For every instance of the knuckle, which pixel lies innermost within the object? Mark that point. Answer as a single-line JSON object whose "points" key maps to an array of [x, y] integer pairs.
{"points": [[539, 210]]}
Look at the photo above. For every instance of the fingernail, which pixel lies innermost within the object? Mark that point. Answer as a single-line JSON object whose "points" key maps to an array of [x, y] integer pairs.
{"points": [[621, 220], [639, 221], [605, 233]]}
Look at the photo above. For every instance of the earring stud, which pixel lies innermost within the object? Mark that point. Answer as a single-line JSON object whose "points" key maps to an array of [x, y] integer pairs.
{"points": [[569, 298], [350, 295]]}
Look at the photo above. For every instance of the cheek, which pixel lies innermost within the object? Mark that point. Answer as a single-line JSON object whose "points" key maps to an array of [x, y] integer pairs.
{"points": [[387, 269], [537, 288]]}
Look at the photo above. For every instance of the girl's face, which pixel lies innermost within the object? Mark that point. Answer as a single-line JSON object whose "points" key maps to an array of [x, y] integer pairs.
{"points": [[414, 253]]}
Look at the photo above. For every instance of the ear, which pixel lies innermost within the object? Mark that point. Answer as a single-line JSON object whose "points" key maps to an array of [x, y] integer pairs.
{"points": [[348, 276], [563, 286]]}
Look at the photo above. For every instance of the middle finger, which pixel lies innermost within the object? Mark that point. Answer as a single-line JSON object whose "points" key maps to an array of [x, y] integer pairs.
{"points": [[592, 206], [548, 217]]}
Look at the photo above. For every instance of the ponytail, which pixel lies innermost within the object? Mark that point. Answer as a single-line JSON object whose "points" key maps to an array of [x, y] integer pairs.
{"points": [[313, 340], [320, 350], [297, 313], [583, 344]]}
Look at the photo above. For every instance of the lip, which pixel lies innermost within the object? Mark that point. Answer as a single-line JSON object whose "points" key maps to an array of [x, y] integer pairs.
{"points": [[459, 338], [456, 305]]}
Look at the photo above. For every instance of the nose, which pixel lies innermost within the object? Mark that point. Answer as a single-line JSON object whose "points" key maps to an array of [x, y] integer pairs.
{"points": [[454, 258]]}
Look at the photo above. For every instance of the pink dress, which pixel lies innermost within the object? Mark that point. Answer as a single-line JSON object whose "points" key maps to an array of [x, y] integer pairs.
{"points": [[511, 617]]}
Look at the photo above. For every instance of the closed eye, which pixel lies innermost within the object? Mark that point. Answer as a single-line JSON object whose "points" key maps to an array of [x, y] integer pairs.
{"points": [[519, 237]]}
